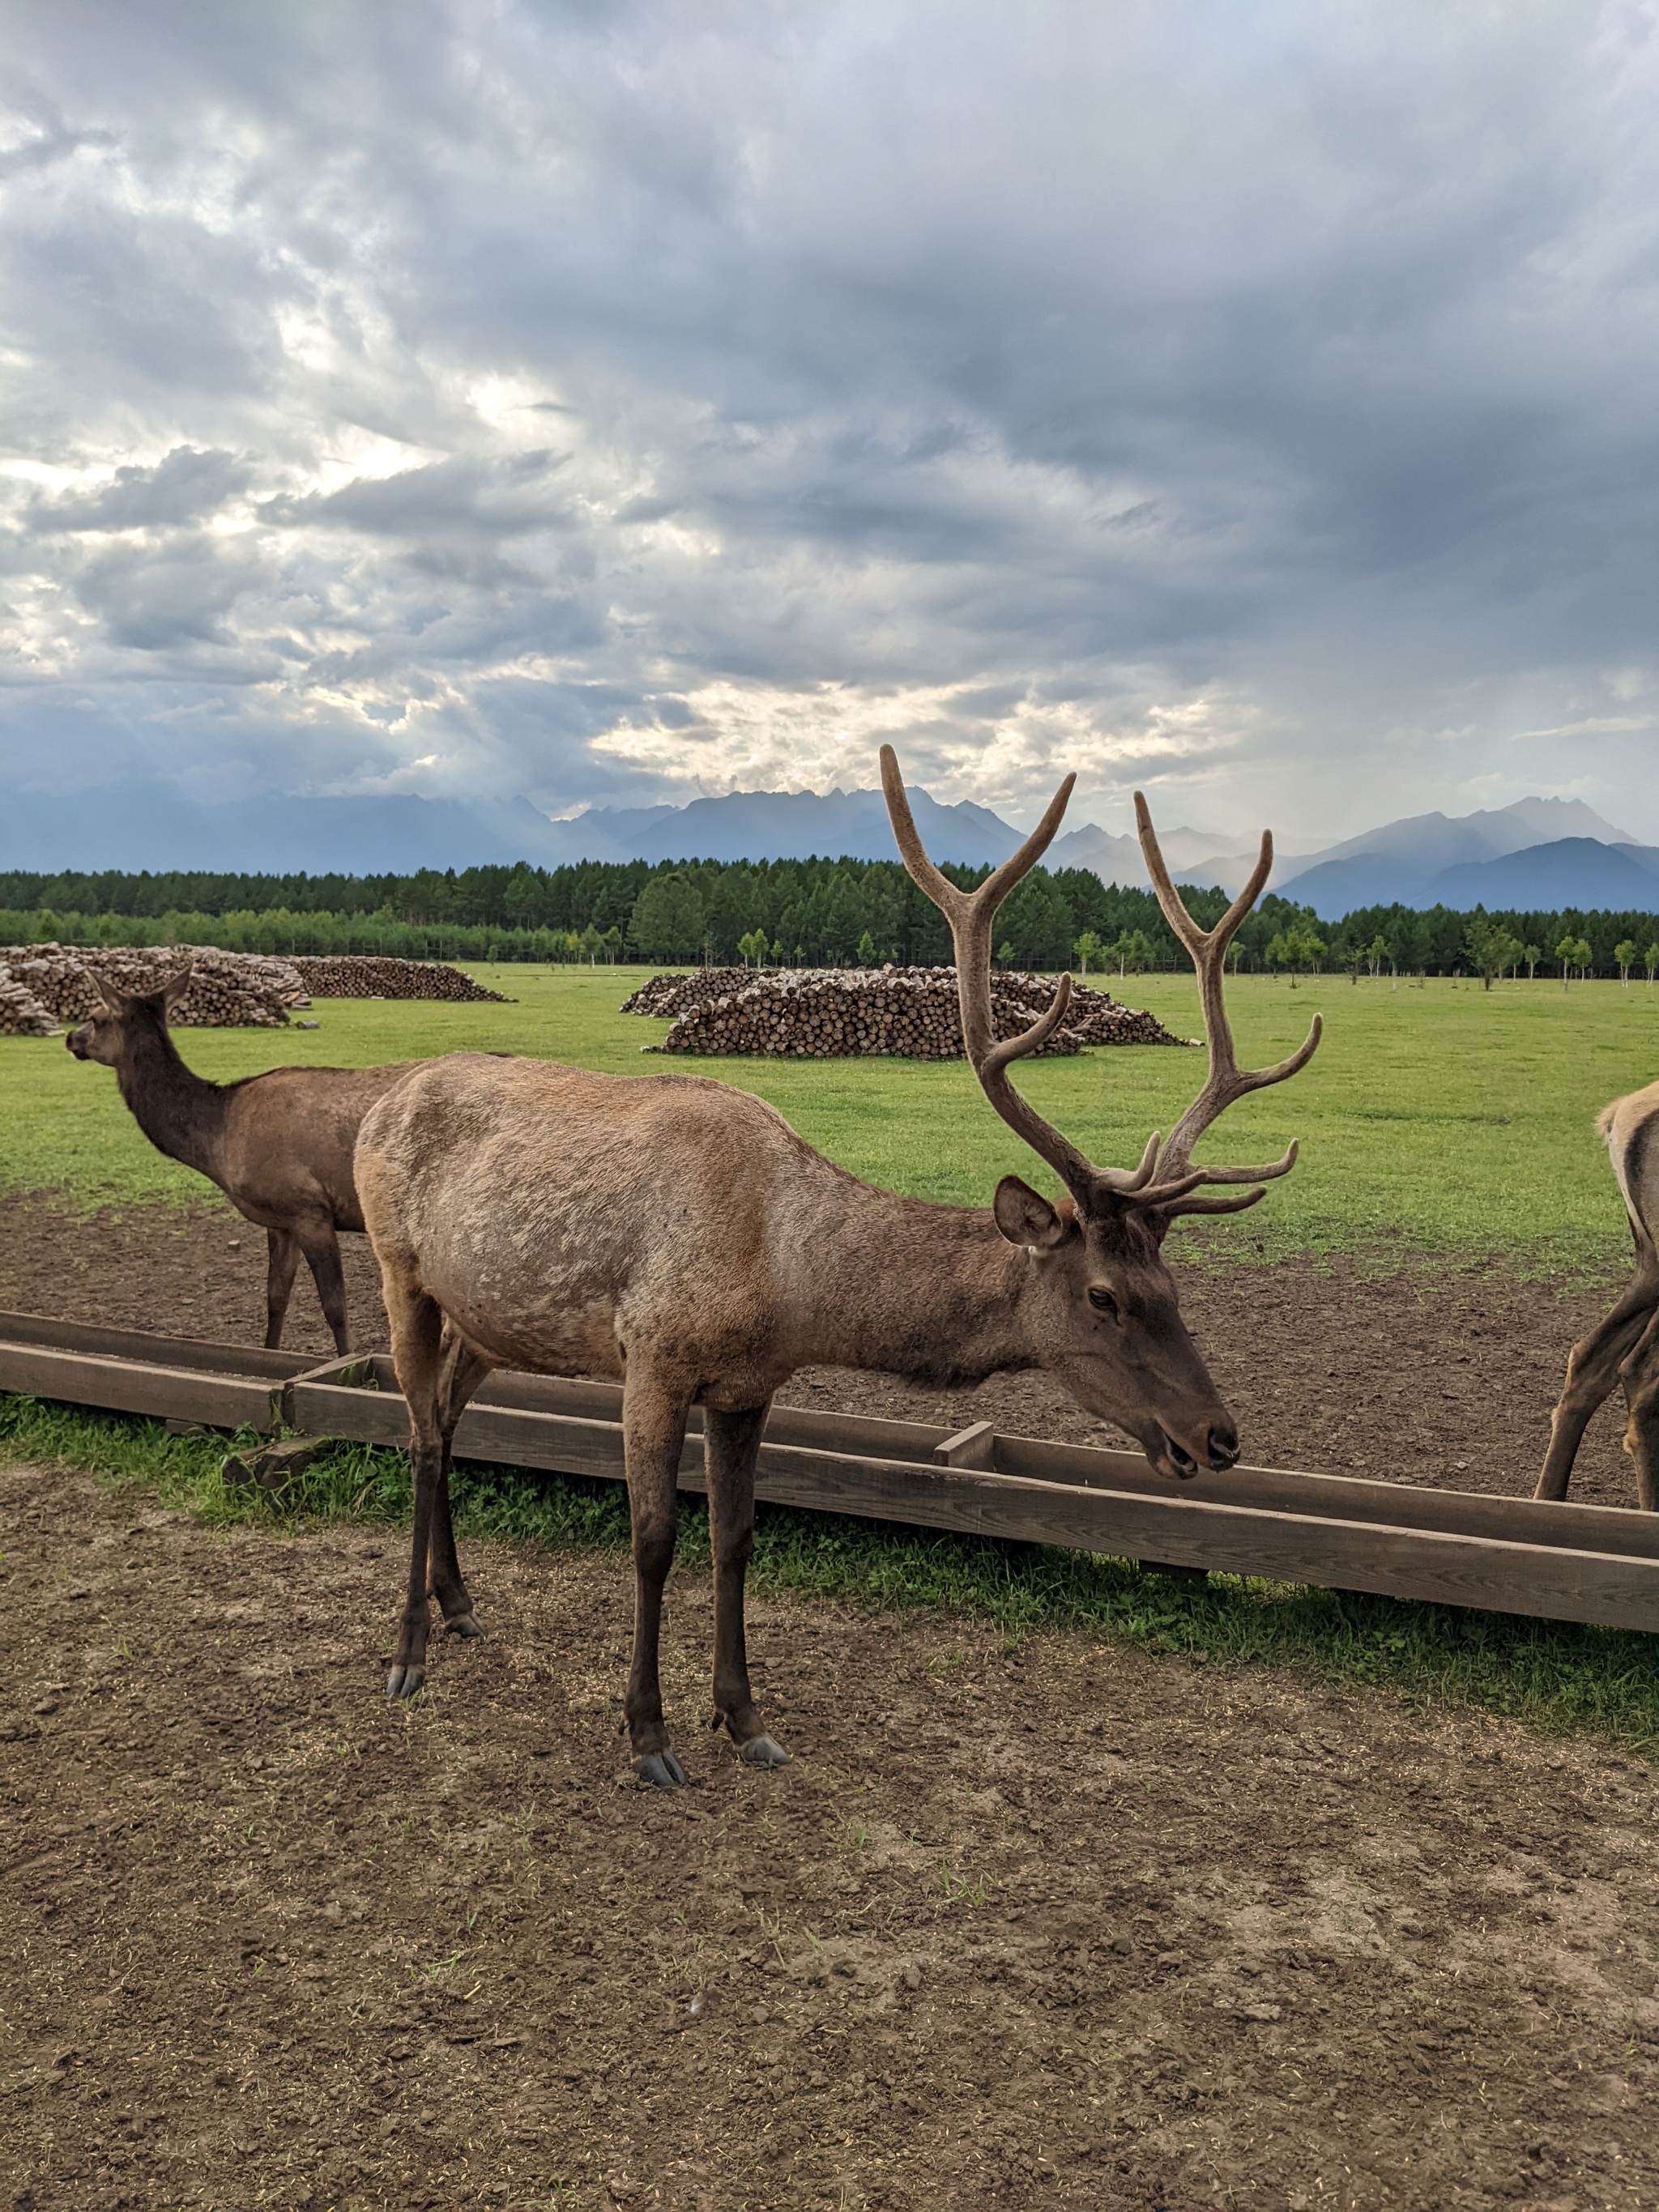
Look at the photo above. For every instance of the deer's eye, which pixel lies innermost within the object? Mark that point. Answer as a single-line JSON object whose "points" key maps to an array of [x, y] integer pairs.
{"points": [[1103, 1302]]}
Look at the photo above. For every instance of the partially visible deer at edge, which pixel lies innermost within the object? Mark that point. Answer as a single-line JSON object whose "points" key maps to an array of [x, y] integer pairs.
{"points": [[677, 1234], [1625, 1347], [279, 1145]]}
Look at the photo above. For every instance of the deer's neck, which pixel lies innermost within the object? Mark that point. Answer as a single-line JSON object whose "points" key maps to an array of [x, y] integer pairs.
{"points": [[934, 1292], [181, 1114]]}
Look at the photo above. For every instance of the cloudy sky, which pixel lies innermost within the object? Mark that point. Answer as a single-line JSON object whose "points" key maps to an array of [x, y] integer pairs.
{"points": [[614, 403]]}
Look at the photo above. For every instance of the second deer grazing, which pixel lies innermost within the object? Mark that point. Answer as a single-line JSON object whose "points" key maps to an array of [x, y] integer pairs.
{"points": [[679, 1235], [279, 1145], [1625, 1347]]}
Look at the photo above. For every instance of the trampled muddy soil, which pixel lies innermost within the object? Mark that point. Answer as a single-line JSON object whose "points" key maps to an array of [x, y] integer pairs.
{"points": [[1422, 1373], [1072, 1926]]}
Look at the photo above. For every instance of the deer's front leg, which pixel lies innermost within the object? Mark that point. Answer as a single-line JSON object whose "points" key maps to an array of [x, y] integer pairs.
{"points": [[654, 1431], [731, 1447]]}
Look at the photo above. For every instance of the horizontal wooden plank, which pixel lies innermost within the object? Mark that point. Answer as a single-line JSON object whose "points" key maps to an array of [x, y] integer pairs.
{"points": [[144, 1343], [1349, 1497], [1448, 1569], [1575, 1563], [134, 1386]]}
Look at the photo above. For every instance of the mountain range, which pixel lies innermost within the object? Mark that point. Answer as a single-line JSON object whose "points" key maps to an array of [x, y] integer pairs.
{"points": [[1539, 854]]}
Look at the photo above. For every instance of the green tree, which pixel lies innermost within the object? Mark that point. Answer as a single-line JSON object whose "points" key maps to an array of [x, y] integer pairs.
{"points": [[1087, 948], [1491, 947], [612, 942], [752, 948], [1625, 953], [1532, 954], [1376, 953], [667, 921], [867, 952], [1131, 950], [592, 943], [1650, 961], [1036, 920]]}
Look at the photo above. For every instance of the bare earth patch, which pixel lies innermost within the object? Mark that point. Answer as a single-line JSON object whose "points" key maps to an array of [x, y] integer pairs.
{"points": [[1067, 1925], [1423, 1373]]}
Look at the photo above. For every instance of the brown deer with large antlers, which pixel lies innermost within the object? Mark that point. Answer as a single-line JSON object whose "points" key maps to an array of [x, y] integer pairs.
{"points": [[677, 1234], [1625, 1347]]}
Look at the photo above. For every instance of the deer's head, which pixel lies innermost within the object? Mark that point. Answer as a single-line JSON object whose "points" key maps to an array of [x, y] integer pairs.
{"points": [[1099, 1304], [109, 1032]]}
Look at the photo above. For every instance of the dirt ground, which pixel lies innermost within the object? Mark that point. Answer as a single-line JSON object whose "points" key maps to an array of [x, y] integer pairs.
{"points": [[1420, 1373], [1067, 1926]]}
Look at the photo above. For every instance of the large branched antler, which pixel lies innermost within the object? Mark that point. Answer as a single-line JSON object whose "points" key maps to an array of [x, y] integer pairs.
{"points": [[1226, 1080], [971, 915]]}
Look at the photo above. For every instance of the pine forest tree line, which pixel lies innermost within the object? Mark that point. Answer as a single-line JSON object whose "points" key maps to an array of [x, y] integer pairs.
{"points": [[793, 913]]}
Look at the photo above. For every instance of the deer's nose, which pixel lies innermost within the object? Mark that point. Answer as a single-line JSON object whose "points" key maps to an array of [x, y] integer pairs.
{"points": [[1224, 1444]]}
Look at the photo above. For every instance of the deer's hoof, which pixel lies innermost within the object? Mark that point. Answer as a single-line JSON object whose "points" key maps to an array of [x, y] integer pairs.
{"points": [[763, 1751], [404, 1681], [659, 1770], [463, 1625]]}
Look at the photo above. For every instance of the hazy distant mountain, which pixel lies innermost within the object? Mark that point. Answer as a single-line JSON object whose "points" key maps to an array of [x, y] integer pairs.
{"points": [[1194, 856], [1404, 860], [151, 826], [1577, 872], [793, 825], [1539, 853]]}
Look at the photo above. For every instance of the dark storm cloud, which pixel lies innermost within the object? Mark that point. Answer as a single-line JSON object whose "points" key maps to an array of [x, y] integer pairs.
{"points": [[609, 403]]}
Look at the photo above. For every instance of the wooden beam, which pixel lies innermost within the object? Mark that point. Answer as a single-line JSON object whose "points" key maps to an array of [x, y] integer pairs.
{"points": [[133, 1386], [974, 1446], [1565, 1562], [145, 1344]]}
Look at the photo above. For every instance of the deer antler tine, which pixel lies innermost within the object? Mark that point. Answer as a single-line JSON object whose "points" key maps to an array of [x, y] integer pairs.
{"points": [[1030, 1040], [1239, 1205], [971, 915], [1225, 1081], [1126, 1181]]}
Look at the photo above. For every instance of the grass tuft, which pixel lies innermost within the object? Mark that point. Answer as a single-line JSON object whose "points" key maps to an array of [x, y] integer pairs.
{"points": [[1551, 1676]]}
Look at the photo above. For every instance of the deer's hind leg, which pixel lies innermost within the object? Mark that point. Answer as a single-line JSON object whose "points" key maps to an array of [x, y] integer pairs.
{"points": [[322, 1249], [282, 1264], [1593, 1368], [653, 1432], [1640, 1376], [417, 1356], [731, 1443], [463, 1369]]}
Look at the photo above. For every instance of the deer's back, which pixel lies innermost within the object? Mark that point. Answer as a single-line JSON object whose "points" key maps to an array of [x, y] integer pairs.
{"points": [[289, 1136], [558, 1214]]}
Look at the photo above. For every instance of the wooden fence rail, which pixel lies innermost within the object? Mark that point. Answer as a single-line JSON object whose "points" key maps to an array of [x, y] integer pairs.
{"points": [[1588, 1563]]}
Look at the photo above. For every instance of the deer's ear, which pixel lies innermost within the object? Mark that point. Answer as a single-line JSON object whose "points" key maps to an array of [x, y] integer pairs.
{"points": [[1025, 1216], [175, 988], [114, 1003]]}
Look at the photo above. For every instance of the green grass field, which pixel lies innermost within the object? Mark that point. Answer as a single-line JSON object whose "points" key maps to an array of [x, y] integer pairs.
{"points": [[1441, 1118]]}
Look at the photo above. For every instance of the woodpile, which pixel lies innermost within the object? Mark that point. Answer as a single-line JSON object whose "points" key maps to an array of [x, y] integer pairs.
{"points": [[228, 990], [354, 975], [910, 1013], [22, 1013]]}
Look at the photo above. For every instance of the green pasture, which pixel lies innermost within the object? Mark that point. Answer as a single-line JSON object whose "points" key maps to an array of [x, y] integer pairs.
{"points": [[1434, 1117]]}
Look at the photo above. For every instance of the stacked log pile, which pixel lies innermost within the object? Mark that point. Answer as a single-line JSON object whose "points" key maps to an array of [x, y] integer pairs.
{"points": [[909, 1013], [226, 990], [22, 1013], [355, 975], [670, 996]]}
